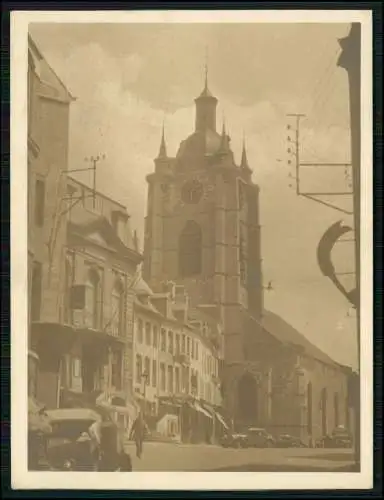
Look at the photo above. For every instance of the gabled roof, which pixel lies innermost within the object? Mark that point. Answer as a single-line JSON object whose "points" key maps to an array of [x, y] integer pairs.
{"points": [[287, 334], [50, 84], [101, 226]]}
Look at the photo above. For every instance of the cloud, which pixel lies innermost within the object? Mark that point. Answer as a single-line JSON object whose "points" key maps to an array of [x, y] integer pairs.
{"points": [[109, 117]]}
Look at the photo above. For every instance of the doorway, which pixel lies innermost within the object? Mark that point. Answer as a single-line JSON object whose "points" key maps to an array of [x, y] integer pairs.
{"points": [[247, 391]]}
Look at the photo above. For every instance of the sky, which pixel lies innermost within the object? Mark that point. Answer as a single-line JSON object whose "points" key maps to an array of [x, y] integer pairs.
{"points": [[130, 78]]}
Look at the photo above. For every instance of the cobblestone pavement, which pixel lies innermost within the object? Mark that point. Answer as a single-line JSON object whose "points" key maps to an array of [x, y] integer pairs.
{"points": [[202, 457]]}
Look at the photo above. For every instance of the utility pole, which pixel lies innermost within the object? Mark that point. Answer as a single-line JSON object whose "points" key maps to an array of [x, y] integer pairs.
{"points": [[59, 213], [94, 160], [350, 60], [299, 165], [298, 117]]}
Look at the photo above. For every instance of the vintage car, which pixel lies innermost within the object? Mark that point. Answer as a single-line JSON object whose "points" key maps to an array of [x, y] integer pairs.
{"points": [[259, 438], [339, 438], [233, 440], [70, 445], [288, 441]]}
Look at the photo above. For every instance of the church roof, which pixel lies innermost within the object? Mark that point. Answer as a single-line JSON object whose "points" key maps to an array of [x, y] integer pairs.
{"points": [[287, 334]]}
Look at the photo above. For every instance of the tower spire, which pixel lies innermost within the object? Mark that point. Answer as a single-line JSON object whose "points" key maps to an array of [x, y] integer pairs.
{"points": [[244, 159], [163, 147], [224, 146]]}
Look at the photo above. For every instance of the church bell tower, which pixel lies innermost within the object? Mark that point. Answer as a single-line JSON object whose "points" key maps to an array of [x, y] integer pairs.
{"points": [[202, 226]]}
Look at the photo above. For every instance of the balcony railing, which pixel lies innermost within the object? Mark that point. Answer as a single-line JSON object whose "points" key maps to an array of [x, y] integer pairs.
{"points": [[86, 319]]}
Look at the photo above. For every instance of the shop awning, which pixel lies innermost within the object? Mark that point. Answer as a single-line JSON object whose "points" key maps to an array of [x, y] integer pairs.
{"points": [[201, 409]]}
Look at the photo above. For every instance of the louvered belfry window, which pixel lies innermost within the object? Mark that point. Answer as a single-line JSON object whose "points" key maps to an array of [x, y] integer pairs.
{"points": [[190, 250]]}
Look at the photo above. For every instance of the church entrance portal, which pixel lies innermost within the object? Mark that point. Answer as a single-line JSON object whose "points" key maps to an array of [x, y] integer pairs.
{"points": [[247, 391]]}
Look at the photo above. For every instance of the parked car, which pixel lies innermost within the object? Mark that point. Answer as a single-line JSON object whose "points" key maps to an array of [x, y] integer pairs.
{"points": [[234, 440], [259, 438], [339, 438], [288, 441], [70, 445]]}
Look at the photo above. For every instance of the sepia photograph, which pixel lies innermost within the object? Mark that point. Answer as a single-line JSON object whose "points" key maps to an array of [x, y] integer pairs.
{"points": [[191, 265]]}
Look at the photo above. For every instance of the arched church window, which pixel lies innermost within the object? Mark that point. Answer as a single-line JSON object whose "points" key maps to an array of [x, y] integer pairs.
{"points": [[336, 409], [190, 250], [309, 408]]}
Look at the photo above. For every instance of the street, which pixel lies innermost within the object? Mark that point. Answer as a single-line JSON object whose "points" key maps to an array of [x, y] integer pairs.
{"points": [[201, 457]]}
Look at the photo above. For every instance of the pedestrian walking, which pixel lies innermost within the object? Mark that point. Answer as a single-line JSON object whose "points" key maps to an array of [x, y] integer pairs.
{"points": [[138, 433]]}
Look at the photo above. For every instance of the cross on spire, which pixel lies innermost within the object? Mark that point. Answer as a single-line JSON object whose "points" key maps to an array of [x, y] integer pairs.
{"points": [[206, 68]]}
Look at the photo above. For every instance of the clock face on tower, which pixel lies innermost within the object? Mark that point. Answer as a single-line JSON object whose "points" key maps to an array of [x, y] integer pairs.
{"points": [[192, 192]]}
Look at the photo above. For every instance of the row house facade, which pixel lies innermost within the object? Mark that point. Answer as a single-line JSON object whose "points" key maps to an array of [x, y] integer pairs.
{"points": [[101, 263], [49, 104], [82, 261], [177, 364]]}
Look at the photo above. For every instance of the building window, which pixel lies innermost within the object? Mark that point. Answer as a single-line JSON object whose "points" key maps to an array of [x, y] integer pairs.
{"points": [[39, 202], [190, 250], [94, 299], [336, 409], [67, 292], [139, 368], [76, 367], [194, 383], [187, 380], [154, 373], [162, 340], [147, 370], [36, 290], [177, 380], [162, 376], [148, 339], [170, 379], [197, 350], [183, 344], [155, 335], [117, 318], [117, 360], [140, 331], [170, 342], [188, 346], [177, 344], [193, 349]]}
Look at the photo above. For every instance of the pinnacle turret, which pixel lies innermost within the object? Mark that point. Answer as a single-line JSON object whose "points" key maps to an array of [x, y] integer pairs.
{"points": [[244, 160], [224, 143], [163, 148]]}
